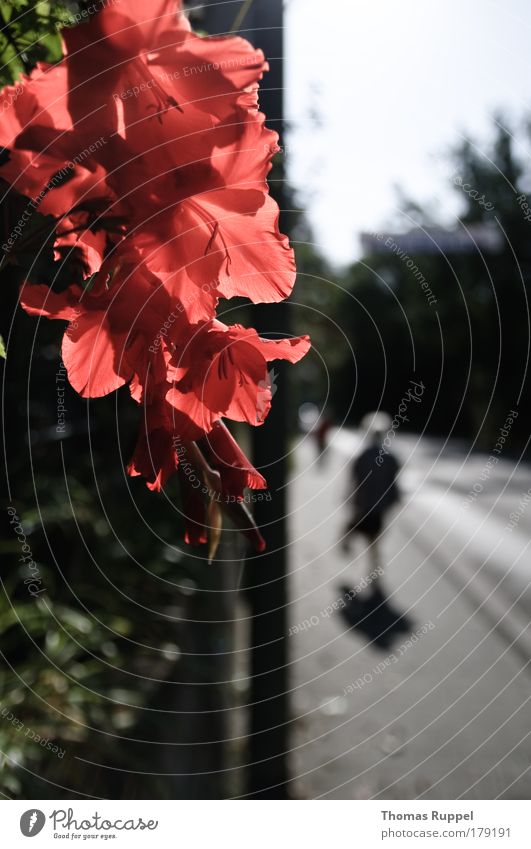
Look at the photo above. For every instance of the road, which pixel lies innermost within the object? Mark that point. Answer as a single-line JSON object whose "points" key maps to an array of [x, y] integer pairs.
{"points": [[441, 714]]}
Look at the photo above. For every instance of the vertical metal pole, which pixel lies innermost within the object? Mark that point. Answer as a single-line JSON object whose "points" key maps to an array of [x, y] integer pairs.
{"points": [[266, 578], [268, 744]]}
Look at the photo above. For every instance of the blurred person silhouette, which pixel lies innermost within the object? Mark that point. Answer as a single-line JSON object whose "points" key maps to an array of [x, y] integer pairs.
{"points": [[374, 490], [374, 493], [317, 423], [320, 432]]}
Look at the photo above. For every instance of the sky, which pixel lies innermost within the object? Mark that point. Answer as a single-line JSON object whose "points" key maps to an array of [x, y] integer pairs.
{"points": [[378, 92]]}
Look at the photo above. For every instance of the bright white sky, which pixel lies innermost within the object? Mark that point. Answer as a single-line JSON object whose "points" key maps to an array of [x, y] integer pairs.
{"points": [[394, 84]]}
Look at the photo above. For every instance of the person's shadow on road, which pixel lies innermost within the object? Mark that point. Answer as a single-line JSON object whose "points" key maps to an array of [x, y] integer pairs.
{"points": [[374, 618]]}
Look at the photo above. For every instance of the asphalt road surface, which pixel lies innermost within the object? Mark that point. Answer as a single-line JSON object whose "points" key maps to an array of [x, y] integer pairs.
{"points": [[444, 712]]}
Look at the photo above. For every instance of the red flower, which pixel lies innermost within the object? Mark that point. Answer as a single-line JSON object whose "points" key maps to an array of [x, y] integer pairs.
{"points": [[155, 456], [225, 455], [161, 127], [114, 324], [146, 144], [222, 371]]}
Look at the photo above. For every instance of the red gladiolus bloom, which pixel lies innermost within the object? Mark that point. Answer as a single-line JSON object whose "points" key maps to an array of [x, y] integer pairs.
{"points": [[225, 455], [146, 145], [222, 371], [181, 155], [114, 321], [156, 456]]}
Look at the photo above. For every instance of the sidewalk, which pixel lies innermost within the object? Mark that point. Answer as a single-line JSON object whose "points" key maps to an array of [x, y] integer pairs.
{"points": [[442, 716]]}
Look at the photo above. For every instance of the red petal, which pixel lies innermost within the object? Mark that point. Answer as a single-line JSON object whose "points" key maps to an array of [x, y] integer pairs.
{"points": [[40, 300], [94, 358], [259, 261], [293, 349], [226, 456], [154, 458]]}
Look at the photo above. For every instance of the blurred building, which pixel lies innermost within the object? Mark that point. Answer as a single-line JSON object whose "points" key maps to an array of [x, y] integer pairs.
{"points": [[433, 240]]}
